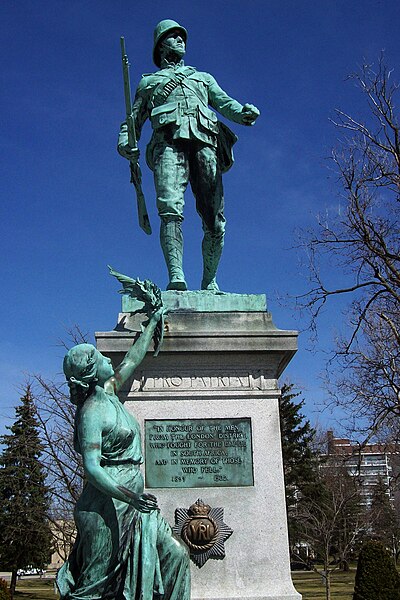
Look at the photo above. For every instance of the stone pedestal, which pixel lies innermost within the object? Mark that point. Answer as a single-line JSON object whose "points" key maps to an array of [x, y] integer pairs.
{"points": [[219, 366]]}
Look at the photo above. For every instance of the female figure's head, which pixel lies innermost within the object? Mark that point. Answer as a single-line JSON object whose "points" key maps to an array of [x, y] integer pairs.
{"points": [[85, 367]]}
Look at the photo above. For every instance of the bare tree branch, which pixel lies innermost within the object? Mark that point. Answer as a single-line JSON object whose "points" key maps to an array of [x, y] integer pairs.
{"points": [[362, 244]]}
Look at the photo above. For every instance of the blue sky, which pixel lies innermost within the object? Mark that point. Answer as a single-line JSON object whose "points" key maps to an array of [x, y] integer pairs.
{"points": [[68, 208]]}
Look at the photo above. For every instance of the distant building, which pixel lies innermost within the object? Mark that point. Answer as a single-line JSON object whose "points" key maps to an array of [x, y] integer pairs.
{"points": [[371, 463], [64, 533]]}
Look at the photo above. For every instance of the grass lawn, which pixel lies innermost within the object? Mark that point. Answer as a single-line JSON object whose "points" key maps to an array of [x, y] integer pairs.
{"points": [[35, 589], [310, 585]]}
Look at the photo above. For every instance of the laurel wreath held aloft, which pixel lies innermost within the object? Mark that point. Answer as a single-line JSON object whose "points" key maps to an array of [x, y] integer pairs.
{"points": [[150, 294]]}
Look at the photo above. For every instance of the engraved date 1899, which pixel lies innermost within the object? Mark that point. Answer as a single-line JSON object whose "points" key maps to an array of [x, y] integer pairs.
{"points": [[178, 479]]}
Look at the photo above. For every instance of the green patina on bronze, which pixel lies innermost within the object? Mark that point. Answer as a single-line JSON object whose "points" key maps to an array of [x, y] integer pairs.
{"points": [[191, 453], [188, 145], [202, 301], [124, 548]]}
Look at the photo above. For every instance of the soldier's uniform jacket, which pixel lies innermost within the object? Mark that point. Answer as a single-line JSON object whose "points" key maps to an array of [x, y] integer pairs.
{"points": [[176, 99]]}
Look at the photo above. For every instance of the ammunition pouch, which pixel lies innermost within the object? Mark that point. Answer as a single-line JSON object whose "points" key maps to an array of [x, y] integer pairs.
{"points": [[207, 120], [172, 113], [166, 114]]}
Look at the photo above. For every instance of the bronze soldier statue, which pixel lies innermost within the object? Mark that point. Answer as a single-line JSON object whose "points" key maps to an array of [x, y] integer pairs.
{"points": [[188, 144]]}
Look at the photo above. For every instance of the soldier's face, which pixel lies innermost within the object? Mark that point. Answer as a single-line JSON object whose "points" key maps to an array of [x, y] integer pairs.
{"points": [[174, 43]]}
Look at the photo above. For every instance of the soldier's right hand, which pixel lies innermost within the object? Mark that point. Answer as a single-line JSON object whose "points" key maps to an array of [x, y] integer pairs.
{"points": [[131, 154]]}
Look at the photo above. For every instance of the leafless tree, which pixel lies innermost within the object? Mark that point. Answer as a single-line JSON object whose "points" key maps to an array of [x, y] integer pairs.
{"points": [[64, 469], [367, 383], [384, 520], [55, 414], [332, 523], [362, 244]]}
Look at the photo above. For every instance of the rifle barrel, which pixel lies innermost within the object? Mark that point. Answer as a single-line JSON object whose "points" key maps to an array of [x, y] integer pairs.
{"points": [[144, 221], [122, 39], [127, 85]]}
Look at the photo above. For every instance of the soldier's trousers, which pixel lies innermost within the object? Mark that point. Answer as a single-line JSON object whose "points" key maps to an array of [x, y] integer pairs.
{"points": [[178, 163]]}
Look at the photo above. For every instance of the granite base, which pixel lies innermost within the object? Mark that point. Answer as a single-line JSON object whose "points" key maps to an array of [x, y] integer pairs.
{"points": [[222, 365]]}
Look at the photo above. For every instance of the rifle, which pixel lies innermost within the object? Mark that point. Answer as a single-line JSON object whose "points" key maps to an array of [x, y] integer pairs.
{"points": [[136, 175]]}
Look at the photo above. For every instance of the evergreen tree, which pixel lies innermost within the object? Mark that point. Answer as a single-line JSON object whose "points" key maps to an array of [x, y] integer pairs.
{"points": [[299, 460], [376, 576], [25, 533]]}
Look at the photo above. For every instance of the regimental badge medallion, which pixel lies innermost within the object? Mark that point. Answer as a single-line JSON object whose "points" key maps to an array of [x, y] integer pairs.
{"points": [[203, 530]]}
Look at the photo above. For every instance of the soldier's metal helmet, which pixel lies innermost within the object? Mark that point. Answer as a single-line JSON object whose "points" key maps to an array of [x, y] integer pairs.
{"points": [[160, 31]]}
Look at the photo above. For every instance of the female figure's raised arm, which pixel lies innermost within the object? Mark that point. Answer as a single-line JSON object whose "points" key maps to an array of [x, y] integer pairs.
{"points": [[134, 356]]}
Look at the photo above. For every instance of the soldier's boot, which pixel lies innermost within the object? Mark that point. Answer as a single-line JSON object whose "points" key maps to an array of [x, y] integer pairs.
{"points": [[212, 246], [171, 239]]}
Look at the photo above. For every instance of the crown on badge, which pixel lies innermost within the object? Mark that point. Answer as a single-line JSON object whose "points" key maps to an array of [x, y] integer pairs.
{"points": [[199, 509]]}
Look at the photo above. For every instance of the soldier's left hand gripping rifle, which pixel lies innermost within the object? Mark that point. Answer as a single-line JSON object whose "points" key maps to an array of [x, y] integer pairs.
{"points": [[136, 175]]}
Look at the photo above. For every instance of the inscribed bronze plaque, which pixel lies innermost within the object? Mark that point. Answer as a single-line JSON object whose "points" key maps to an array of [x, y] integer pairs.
{"points": [[189, 453]]}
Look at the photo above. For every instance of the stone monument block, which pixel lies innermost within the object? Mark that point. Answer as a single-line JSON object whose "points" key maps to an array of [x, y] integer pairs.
{"points": [[208, 409]]}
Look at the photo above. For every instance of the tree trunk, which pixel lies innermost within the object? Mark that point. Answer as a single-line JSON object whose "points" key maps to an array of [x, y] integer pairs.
{"points": [[13, 583], [327, 582], [344, 565]]}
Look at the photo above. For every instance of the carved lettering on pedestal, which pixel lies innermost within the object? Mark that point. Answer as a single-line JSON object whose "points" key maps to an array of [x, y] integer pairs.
{"points": [[255, 380]]}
